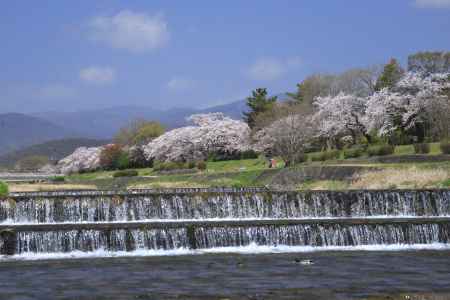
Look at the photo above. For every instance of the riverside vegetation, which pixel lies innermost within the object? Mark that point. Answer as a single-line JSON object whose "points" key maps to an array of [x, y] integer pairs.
{"points": [[4, 190], [375, 122], [368, 174]]}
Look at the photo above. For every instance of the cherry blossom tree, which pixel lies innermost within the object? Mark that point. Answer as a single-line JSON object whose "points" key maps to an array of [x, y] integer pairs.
{"points": [[423, 92], [341, 115], [287, 137], [412, 102], [210, 134], [384, 109]]}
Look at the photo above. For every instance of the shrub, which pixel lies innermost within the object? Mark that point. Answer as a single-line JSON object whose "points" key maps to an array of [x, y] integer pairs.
{"points": [[4, 190], [445, 147], [178, 166], [191, 165], [380, 150], [318, 156], [372, 151], [296, 158], [201, 165], [398, 137], [332, 154], [422, 148], [353, 152], [223, 156], [110, 156], [125, 173], [158, 166], [169, 166], [326, 155], [249, 154], [300, 157], [58, 179]]}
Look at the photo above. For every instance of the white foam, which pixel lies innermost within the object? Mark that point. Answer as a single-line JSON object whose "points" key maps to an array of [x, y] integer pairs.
{"points": [[170, 221], [256, 249], [246, 250], [95, 254]]}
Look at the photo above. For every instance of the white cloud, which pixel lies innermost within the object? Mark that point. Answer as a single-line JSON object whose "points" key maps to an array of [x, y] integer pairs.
{"points": [[98, 75], [267, 69], [432, 3], [136, 32], [180, 84], [55, 90]]}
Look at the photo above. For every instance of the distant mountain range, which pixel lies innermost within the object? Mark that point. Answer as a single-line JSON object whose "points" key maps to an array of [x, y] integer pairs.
{"points": [[18, 131], [104, 123]]}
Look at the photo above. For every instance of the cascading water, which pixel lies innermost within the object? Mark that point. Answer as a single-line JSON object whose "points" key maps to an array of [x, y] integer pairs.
{"points": [[130, 207], [91, 240], [170, 220], [318, 235]]}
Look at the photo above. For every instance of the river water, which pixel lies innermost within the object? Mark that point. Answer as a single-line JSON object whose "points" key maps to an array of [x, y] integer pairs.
{"points": [[228, 244], [332, 275]]}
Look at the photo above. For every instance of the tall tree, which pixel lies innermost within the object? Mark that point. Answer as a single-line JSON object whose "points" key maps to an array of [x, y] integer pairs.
{"points": [[312, 87], [392, 73], [429, 62], [258, 103], [138, 132], [359, 81]]}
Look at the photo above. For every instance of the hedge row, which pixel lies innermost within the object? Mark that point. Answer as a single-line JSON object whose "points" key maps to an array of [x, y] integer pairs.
{"points": [[170, 166]]}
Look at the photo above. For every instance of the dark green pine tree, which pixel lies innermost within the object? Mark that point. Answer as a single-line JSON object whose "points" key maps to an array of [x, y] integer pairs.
{"points": [[392, 73], [258, 103]]}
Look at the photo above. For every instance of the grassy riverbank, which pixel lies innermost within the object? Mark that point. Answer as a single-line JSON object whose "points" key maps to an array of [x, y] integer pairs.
{"points": [[308, 176], [403, 169]]}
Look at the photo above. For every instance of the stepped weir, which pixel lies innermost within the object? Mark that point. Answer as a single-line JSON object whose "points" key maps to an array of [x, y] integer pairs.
{"points": [[64, 222]]}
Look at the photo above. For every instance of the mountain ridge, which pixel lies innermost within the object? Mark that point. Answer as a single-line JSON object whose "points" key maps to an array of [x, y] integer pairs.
{"points": [[20, 130], [104, 123], [54, 150]]}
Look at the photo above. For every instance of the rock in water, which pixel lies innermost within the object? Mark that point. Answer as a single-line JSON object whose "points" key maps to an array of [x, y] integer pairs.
{"points": [[211, 133], [306, 262]]}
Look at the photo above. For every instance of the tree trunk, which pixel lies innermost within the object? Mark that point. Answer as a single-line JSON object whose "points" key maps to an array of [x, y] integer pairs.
{"points": [[368, 138]]}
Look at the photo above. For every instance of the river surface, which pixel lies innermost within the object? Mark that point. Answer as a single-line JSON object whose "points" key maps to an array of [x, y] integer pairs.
{"points": [[333, 275]]}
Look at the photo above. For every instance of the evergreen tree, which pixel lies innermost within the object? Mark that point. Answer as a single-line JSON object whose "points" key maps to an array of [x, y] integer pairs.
{"points": [[392, 73], [258, 103]]}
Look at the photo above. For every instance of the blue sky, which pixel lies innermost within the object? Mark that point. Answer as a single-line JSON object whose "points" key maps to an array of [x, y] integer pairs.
{"points": [[85, 54]]}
